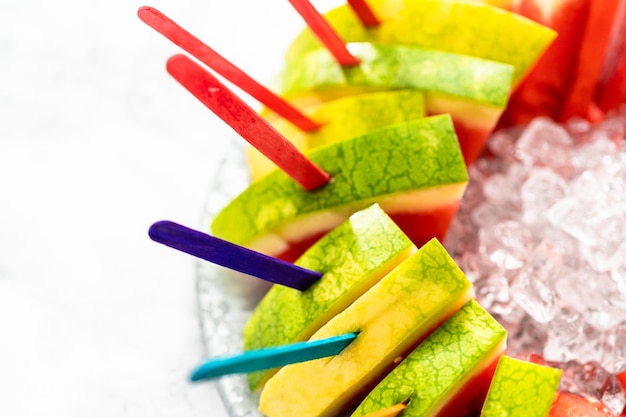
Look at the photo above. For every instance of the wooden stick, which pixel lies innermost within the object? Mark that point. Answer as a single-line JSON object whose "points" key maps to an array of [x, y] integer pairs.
{"points": [[272, 357], [325, 33], [229, 255], [246, 122], [203, 53], [364, 12]]}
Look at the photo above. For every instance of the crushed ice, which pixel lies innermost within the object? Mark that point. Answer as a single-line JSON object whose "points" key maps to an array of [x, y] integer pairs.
{"points": [[542, 234]]}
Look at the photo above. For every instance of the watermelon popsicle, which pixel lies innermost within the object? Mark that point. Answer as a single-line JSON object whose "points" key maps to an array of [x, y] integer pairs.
{"points": [[353, 256]]}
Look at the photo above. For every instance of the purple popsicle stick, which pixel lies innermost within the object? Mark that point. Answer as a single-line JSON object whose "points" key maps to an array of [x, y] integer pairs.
{"points": [[229, 255]]}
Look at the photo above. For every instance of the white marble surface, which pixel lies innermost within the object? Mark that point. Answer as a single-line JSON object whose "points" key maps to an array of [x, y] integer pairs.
{"points": [[96, 143]]}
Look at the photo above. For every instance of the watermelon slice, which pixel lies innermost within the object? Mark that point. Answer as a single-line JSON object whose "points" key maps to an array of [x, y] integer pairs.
{"points": [[472, 90], [414, 171], [449, 373], [521, 389], [343, 118], [571, 405], [563, 84]]}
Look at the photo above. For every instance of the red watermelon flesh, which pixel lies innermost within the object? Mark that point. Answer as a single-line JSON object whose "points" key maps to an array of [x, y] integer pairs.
{"points": [[613, 92], [563, 83], [420, 226], [571, 405], [612, 89], [472, 139], [590, 59], [622, 379], [470, 398]]}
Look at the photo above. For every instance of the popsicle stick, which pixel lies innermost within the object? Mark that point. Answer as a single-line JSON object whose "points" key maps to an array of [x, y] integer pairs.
{"points": [[325, 33], [392, 411], [262, 359], [205, 54], [229, 255], [246, 122], [364, 12]]}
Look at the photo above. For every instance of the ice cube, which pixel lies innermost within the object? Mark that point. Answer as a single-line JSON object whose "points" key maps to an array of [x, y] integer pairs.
{"points": [[540, 191], [601, 256], [507, 244], [534, 287], [564, 243], [488, 215], [502, 143], [534, 296], [503, 188], [525, 336], [476, 266], [591, 154], [618, 267], [613, 349], [566, 332], [581, 218], [595, 295], [592, 380], [493, 293], [545, 143]]}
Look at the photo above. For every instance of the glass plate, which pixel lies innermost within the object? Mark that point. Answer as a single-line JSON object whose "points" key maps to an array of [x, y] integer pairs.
{"points": [[227, 298]]}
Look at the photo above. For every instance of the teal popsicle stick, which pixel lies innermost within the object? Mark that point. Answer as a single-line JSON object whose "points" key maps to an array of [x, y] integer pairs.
{"points": [[274, 357]]}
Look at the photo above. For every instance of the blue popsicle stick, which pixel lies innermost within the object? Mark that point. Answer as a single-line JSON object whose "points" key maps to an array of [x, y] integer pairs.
{"points": [[274, 357], [229, 255]]}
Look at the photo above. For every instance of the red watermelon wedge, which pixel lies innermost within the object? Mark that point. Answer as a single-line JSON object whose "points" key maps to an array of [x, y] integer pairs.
{"points": [[612, 89], [565, 81], [571, 405]]}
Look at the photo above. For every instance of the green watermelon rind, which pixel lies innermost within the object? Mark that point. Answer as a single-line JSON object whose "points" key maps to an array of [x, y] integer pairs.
{"points": [[401, 67], [345, 118], [521, 388], [419, 154], [364, 113]]}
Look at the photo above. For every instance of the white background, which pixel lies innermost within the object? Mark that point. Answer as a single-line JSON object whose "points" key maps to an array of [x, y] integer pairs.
{"points": [[97, 142]]}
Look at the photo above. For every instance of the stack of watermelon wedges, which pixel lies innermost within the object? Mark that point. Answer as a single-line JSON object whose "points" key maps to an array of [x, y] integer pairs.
{"points": [[434, 79], [413, 166]]}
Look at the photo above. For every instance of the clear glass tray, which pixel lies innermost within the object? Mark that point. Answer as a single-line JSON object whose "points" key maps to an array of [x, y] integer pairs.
{"points": [[227, 298]]}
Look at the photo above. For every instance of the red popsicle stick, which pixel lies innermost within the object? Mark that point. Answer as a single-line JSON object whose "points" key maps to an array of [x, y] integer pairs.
{"points": [[246, 122], [364, 12], [325, 33], [180, 37]]}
